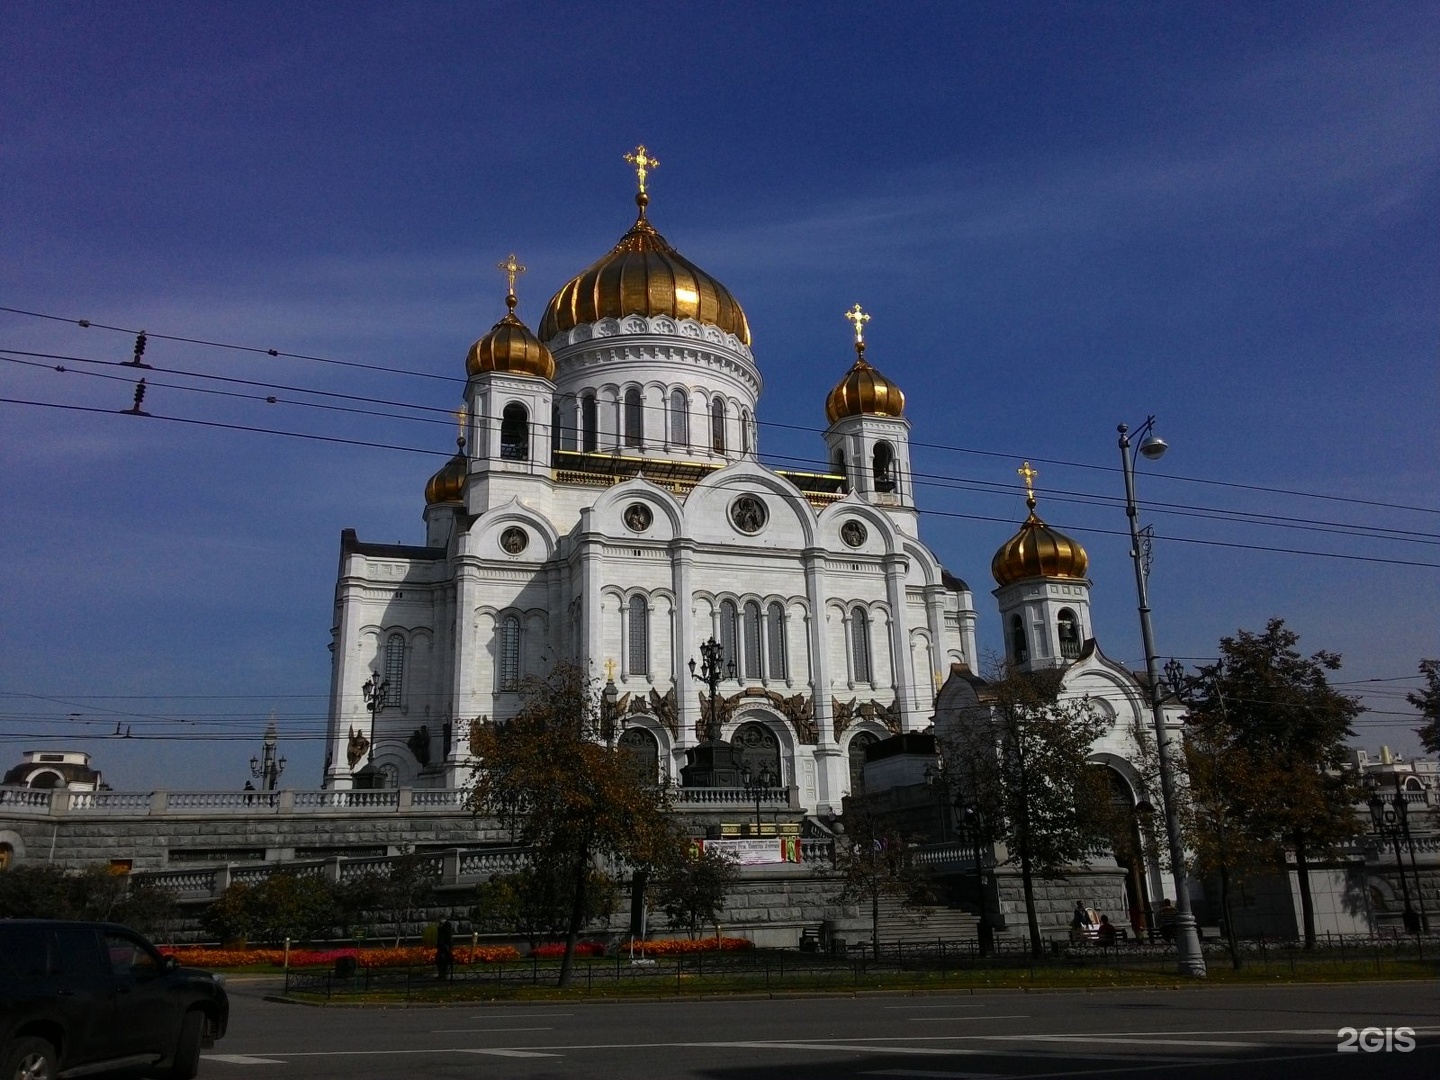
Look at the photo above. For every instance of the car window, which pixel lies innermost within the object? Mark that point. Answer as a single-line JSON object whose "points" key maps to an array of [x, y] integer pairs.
{"points": [[77, 952], [23, 948], [129, 957]]}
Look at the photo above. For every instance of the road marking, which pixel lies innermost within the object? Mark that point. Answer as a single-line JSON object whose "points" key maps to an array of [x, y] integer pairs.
{"points": [[829, 1047], [510, 1053], [931, 1074], [953, 1005], [962, 1018], [242, 1059], [1112, 1040], [519, 1014], [482, 1031]]}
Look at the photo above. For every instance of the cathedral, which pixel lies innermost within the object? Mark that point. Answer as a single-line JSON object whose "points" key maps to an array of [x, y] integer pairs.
{"points": [[606, 506]]}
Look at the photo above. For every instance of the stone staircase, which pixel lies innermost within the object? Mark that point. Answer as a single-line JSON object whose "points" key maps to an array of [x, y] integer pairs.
{"points": [[942, 924]]}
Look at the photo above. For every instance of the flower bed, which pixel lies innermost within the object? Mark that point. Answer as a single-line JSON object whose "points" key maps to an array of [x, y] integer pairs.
{"points": [[684, 947], [555, 950], [405, 956]]}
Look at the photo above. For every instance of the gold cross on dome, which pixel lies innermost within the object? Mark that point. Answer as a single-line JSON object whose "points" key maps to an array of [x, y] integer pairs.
{"points": [[511, 268], [1028, 475], [859, 318], [643, 163], [610, 664], [462, 414]]}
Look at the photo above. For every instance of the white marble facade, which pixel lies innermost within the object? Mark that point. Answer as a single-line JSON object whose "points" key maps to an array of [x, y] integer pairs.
{"points": [[617, 515]]}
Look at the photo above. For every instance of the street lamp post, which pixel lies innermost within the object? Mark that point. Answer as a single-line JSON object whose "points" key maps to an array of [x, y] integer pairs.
{"points": [[1392, 821], [375, 690], [711, 670], [1187, 936], [974, 823], [267, 767]]}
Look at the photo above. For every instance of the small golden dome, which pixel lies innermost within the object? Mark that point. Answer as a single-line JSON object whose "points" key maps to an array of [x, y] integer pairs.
{"points": [[864, 392], [510, 347], [448, 485], [1037, 550], [643, 275]]}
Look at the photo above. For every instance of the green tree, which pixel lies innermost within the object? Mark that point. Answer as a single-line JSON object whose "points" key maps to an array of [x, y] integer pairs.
{"points": [[1427, 700], [1019, 756], [1277, 732], [567, 793], [874, 862], [691, 889], [230, 917]]}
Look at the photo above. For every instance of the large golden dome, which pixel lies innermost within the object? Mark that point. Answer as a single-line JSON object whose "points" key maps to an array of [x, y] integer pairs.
{"points": [[448, 485], [1037, 550], [510, 347], [864, 392], [643, 275]]}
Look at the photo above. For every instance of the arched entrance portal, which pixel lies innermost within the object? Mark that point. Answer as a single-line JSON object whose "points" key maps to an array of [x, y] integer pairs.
{"points": [[759, 753], [858, 745], [1129, 848], [643, 749]]}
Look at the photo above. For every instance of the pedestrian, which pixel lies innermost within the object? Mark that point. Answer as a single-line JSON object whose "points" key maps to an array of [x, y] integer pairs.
{"points": [[1411, 918], [1105, 934], [1079, 922], [1168, 915], [445, 950]]}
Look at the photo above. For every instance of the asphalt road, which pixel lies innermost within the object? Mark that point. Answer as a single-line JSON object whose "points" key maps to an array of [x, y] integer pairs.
{"points": [[1239, 1034]]}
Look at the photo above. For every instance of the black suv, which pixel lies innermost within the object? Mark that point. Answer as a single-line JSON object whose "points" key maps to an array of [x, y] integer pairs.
{"points": [[79, 997]]}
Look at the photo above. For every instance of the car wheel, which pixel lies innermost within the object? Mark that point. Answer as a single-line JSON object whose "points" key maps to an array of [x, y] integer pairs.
{"points": [[186, 1062], [29, 1059]]}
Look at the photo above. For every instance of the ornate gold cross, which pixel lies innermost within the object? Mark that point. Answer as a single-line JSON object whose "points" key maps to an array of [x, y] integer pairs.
{"points": [[859, 318], [610, 664], [1028, 475], [643, 163], [461, 415], [511, 268]]}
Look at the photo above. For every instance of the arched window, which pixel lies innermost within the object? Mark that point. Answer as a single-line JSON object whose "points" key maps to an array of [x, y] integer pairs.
{"points": [[394, 668], [884, 462], [860, 645], [759, 754], [589, 423], [679, 419], [745, 444], [717, 425], [775, 639], [644, 751], [1019, 647], [565, 426], [509, 653], [515, 433], [637, 649], [729, 618], [1069, 627], [752, 641], [634, 418], [858, 745]]}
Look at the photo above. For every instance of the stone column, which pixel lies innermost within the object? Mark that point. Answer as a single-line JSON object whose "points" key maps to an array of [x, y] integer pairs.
{"points": [[682, 578], [895, 566], [828, 760]]}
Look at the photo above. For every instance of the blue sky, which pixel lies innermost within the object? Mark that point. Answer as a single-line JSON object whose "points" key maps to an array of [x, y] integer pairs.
{"points": [[1062, 217]]}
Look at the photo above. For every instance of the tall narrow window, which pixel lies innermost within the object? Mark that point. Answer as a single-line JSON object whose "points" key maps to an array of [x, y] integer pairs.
{"points": [[515, 433], [634, 418], [679, 419], [565, 426], [589, 423], [1019, 647], [717, 425], [752, 641], [509, 651], [394, 668], [637, 649], [860, 645], [884, 462], [1069, 628], [775, 639], [729, 617], [745, 444]]}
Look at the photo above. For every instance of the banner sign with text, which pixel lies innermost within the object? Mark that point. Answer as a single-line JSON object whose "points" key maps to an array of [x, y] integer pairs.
{"points": [[754, 852]]}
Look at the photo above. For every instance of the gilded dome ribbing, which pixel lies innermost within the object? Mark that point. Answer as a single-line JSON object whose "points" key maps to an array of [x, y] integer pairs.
{"points": [[643, 275], [864, 392], [448, 485], [1037, 550], [510, 347]]}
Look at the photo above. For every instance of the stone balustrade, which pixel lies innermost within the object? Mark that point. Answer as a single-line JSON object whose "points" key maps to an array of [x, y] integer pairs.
{"points": [[63, 803], [737, 798]]}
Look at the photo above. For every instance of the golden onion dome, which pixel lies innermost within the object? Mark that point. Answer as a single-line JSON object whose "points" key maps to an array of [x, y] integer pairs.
{"points": [[1037, 550], [510, 347], [864, 392], [448, 485], [643, 275]]}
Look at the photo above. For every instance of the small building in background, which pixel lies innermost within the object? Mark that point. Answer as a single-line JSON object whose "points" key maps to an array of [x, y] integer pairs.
{"points": [[54, 769]]}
